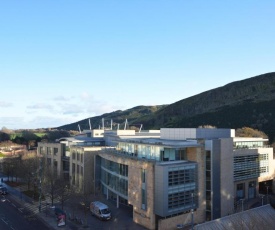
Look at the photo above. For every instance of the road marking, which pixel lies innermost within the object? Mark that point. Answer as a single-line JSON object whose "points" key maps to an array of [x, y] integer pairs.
{"points": [[4, 221], [21, 209], [13, 205]]}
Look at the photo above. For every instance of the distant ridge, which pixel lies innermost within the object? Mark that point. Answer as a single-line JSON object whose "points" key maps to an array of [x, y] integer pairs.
{"points": [[249, 102]]}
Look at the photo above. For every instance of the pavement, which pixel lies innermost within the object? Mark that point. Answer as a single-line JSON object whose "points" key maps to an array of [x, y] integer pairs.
{"points": [[77, 218]]}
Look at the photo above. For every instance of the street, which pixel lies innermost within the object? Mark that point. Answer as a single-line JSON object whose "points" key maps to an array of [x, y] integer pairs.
{"points": [[13, 216]]}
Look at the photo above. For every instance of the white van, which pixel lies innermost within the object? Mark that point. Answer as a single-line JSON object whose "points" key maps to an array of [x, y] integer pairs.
{"points": [[100, 210]]}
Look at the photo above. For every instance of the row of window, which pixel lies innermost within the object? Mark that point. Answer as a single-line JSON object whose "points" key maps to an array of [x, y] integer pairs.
{"points": [[78, 156], [77, 169], [181, 199], [117, 168], [251, 166], [48, 150], [115, 182]]}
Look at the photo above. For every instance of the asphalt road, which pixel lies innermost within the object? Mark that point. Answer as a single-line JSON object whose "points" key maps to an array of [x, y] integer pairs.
{"points": [[15, 217]]}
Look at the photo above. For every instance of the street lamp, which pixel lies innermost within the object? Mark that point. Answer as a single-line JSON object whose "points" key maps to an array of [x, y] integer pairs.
{"points": [[242, 200], [262, 197], [192, 211], [267, 193]]}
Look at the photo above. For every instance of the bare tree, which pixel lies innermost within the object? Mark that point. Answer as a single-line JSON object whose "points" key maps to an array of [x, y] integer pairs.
{"points": [[29, 168], [64, 192], [51, 184]]}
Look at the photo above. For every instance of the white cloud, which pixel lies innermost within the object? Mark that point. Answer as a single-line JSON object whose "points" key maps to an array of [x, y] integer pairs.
{"points": [[40, 106], [5, 104]]}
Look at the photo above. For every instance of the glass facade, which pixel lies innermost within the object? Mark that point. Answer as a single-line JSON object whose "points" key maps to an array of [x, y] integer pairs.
{"points": [[182, 187], [114, 176], [152, 152], [250, 166], [249, 144]]}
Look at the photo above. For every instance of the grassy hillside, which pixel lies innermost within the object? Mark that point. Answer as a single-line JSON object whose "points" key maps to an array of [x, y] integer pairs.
{"points": [[118, 117], [250, 102]]}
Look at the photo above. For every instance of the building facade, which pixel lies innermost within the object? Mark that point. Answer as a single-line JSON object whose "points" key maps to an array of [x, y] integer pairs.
{"points": [[175, 176], [186, 176]]}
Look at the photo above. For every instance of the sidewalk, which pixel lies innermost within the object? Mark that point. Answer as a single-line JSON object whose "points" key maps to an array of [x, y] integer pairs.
{"points": [[77, 218], [47, 213]]}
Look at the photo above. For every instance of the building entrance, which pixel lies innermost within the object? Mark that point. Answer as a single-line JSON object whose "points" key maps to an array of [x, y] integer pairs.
{"points": [[265, 187]]}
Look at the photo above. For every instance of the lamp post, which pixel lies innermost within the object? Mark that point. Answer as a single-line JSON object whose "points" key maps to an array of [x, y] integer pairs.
{"points": [[242, 200], [262, 197], [192, 211], [267, 193]]}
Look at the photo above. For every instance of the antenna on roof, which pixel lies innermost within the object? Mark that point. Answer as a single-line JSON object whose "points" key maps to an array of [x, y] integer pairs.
{"points": [[140, 128], [103, 123], [111, 124], [79, 128], [125, 124], [90, 124]]}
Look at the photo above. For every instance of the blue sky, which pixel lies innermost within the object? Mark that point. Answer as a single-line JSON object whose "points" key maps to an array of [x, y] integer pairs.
{"points": [[64, 61]]}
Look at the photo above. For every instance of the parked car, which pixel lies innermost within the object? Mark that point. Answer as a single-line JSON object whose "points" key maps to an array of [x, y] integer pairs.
{"points": [[100, 210]]}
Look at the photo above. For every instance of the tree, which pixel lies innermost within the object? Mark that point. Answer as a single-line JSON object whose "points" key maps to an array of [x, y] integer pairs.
{"points": [[4, 136], [53, 135], [64, 192], [30, 167], [51, 184], [7, 167], [249, 132]]}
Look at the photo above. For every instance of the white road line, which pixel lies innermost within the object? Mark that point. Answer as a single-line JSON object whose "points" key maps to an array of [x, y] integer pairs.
{"points": [[4, 221], [13, 205], [20, 209]]}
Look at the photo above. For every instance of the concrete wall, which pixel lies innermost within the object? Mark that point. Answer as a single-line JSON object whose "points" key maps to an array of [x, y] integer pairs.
{"points": [[195, 133], [226, 177]]}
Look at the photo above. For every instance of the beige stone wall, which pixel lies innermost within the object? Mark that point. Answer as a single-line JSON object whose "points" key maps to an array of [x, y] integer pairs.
{"points": [[146, 217], [227, 177], [171, 223], [198, 155], [53, 157], [84, 183]]}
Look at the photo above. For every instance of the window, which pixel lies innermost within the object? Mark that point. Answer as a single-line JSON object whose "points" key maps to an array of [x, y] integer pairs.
{"points": [[143, 173], [143, 190]]}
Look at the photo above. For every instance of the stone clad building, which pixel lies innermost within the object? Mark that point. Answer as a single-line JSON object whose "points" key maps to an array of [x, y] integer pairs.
{"points": [[174, 176]]}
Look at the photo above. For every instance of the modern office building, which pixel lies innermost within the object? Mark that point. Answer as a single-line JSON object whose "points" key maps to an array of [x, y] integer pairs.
{"points": [[56, 157], [186, 176], [82, 168], [173, 176]]}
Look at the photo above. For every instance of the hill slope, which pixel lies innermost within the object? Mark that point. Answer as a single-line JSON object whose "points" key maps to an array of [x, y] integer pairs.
{"points": [[250, 102], [118, 117]]}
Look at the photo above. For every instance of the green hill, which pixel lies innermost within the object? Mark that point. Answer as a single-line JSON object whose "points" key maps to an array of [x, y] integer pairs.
{"points": [[250, 102]]}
